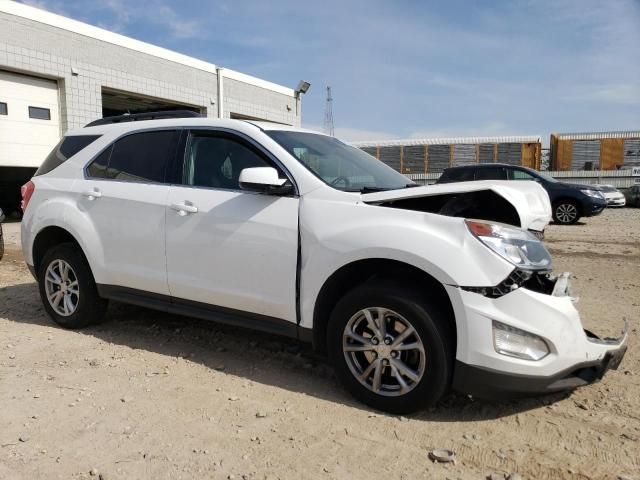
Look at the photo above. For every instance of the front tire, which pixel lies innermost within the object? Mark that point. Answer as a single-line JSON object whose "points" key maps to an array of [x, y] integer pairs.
{"points": [[566, 212], [67, 288], [391, 347]]}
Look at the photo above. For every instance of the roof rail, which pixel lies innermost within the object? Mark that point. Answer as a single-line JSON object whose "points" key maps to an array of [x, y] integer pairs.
{"points": [[133, 117]]}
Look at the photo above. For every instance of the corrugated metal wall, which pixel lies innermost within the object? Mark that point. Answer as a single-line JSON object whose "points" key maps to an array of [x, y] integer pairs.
{"points": [[510, 153], [373, 151], [632, 151], [438, 158], [486, 152], [464, 154], [391, 156], [413, 159], [586, 155]]}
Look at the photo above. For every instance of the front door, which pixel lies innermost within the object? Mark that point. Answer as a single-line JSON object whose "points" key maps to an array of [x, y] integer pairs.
{"points": [[227, 247]]}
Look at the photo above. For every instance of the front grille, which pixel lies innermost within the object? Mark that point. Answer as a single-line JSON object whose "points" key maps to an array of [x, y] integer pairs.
{"points": [[514, 281]]}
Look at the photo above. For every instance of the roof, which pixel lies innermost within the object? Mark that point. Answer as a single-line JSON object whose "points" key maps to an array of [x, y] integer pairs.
{"points": [[64, 23], [598, 135], [449, 141]]}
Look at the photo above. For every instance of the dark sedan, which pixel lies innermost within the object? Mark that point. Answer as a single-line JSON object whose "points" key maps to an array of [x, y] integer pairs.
{"points": [[569, 201]]}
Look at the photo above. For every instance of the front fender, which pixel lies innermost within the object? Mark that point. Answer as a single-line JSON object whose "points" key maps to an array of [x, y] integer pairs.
{"points": [[337, 233]]}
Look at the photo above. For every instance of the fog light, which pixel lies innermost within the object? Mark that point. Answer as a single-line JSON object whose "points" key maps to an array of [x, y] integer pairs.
{"points": [[517, 343]]}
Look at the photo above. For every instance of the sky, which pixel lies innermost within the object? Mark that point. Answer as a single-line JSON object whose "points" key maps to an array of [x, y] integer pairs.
{"points": [[404, 69]]}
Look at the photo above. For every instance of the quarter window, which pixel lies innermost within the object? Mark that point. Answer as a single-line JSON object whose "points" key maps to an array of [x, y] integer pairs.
{"points": [[39, 113], [67, 148], [215, 161], [140, 157], [3, 108]]}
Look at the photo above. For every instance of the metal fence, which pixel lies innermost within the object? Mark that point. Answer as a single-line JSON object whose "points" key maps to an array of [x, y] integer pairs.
{"points": [[617, 178]]}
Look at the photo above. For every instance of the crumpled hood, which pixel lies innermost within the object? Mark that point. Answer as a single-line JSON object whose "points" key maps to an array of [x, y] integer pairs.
{"points": [[530, 200]]}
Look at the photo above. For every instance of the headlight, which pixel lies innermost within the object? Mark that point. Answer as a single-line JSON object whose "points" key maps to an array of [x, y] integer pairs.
{"points": [[517, 343], [592, 193], [520, 247]]}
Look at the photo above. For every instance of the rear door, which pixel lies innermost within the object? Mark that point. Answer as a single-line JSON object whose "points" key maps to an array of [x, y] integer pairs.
{"points": [[124, 194], [227, 247]]}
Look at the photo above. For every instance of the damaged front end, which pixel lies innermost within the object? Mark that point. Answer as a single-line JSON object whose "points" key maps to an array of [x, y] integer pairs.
{"points": [[522, 204]]}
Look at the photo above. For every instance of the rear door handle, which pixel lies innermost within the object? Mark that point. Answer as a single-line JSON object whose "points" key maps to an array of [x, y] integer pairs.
{"points": [[184, 208], [92, 194]]}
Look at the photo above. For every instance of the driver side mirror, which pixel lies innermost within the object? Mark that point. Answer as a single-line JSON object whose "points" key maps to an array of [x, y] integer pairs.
{"points": [[264, 180]]}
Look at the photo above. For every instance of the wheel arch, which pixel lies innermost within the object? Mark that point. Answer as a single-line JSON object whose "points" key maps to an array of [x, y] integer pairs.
{"points": [[49, 237], [360, 271]]}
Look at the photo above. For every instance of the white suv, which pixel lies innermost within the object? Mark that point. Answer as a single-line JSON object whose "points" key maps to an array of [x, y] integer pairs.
{"points": [[411, 290]]}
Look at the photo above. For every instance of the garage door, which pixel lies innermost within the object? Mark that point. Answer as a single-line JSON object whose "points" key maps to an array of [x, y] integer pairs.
{"points": [[29, 119]]}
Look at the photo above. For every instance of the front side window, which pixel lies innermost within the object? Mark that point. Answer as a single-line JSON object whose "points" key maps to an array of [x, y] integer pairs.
{"points": [[140, 157], [521, 175], [3, 108], [64, 150], [216, 160], [39, 113], [339, 165]]}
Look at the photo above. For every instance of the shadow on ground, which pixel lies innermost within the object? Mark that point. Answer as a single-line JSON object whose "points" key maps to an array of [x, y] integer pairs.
{"points": [[256, 356]]}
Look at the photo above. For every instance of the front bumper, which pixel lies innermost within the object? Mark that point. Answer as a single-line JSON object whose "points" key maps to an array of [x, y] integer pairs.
{"points": [[592, 208], [1, 243], [616, 202], [577, 357]]}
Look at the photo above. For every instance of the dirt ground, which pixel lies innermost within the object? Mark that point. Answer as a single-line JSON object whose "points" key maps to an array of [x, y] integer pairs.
{"points": [[151, 395]]}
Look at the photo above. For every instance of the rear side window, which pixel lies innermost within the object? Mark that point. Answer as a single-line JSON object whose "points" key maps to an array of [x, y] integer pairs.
{"points": [[493, 173], [65, 149], [140, 157], [456, 175]]}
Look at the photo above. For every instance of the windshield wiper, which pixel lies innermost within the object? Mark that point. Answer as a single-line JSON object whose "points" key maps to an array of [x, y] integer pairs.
{"points": [[373, 189]]}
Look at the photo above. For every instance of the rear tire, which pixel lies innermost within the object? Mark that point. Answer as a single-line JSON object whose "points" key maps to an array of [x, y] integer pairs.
{"points": [[415, 371], [566, 212], [67, 288]]}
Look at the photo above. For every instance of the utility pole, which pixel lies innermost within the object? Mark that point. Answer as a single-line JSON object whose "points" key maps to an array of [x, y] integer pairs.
{"points": [[328, 114]]}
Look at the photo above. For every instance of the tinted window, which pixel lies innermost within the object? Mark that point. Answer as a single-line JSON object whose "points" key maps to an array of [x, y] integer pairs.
{"points": [[67, 148], [520, 175], [98, 168], [456, 175], [3, 108], [140, 157], [495, 173], [216, 161], [39, 113]]}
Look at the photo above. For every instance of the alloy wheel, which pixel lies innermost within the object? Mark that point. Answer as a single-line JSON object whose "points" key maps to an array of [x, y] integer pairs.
{"points": [[566, 212], [61, 287], [383, 351]]}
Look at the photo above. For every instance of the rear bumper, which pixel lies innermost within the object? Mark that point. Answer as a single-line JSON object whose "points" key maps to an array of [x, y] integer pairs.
{"points": [[490, 384]]}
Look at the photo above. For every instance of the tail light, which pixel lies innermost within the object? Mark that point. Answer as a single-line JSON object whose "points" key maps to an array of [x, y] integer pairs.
{"points": [[26, 191]]}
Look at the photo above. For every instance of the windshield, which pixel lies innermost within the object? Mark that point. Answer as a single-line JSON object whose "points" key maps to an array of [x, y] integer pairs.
{"points": [[338, 164]]}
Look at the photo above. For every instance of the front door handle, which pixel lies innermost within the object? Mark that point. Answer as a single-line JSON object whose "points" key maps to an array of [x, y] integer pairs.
{"points": [[92, 194], [184, 208]]}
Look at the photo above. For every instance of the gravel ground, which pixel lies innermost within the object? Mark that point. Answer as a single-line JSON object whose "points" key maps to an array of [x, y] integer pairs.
{"points": [[150, 395]]}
